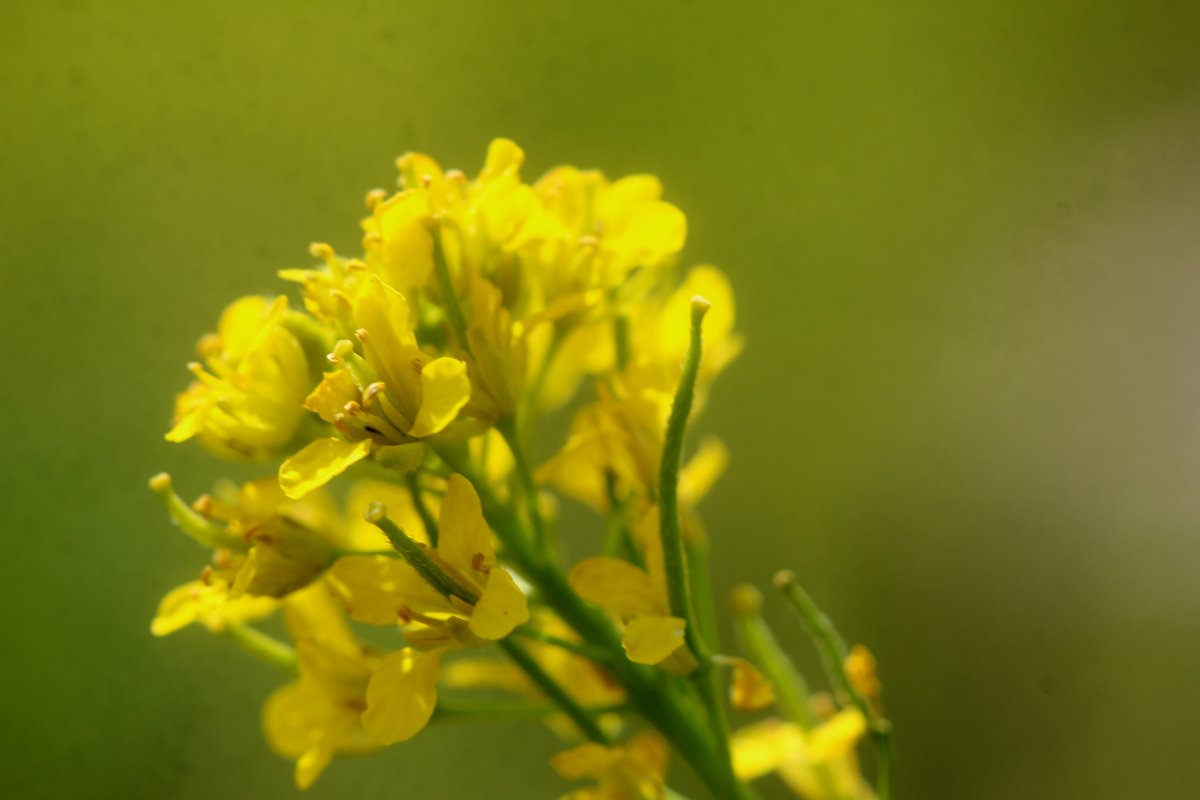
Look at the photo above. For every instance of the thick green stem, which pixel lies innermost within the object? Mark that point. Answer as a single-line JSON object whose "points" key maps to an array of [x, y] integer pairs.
{"points": [[833, 652]]}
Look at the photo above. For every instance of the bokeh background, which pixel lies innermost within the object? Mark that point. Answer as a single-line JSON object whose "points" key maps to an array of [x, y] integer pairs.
{"points": [[964, 240]]}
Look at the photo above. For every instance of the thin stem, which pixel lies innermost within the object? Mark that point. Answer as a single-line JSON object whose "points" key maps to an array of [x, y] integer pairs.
{"points": [[414, 488], [556, 693], [265, 648], [456, 709], [597, 654], [508, 429], [833, 652]]}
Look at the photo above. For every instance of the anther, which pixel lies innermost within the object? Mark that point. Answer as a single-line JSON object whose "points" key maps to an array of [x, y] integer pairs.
{"points": [[320, 250], [203, 505], [374, 198]]}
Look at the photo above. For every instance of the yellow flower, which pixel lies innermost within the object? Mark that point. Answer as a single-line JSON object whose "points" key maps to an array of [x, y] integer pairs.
{"points": [[381, 590], [860, 669], [320, 715], [817, 764], [246, 402], [638, 598], [384, 402], [207, 602], [633, 771]]}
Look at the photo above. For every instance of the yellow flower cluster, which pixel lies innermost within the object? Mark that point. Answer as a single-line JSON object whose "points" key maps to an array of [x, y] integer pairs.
{"points": [[397, 402]]}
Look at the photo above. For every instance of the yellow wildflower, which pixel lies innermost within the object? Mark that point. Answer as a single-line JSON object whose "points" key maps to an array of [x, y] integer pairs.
{"points": [[320, 715], [817, 764], [633, 771], [207, 602], [637, 597], [403, 691], [385, 401], [246, 402]]}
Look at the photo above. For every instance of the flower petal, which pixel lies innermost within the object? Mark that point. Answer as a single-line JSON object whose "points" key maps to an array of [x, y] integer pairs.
{"points": [[464, 539], [319, 463], [379, 590], [500, 608], [444, 390], [402, 695], [650, 639], [616, 586]]}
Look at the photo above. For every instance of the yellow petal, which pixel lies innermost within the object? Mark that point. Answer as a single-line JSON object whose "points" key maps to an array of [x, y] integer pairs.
{"points": [[406, 246], [500, 608], [504, 157], [402, 695], [674, 323], [651, 233], [318, 463], [379, 590], [762, 748], [312, 614], [617, 586], [585, 761], [836, 736], [335, 390], [362, 535], [444, 390], [464, 539], [650, 639], [749, 690], [702, 471]]}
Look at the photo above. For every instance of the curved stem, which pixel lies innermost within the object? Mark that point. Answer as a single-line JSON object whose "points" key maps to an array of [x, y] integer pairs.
{"points": [[833, 657], [679, 584]]}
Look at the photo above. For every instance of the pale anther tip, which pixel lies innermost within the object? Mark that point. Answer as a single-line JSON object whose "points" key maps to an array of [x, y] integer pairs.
{"points": [[784, 578], [160, 483]]}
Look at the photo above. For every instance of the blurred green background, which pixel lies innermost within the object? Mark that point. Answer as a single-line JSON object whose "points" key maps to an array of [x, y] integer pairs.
{"points": [[965, 247]]}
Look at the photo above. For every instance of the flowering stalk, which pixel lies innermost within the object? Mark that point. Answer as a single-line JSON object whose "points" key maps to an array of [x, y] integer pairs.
{"points": [[414, 375]]}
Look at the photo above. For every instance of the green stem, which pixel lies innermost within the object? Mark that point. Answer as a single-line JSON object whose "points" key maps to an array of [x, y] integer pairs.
{"points": [[414, 488], [621, 339], [707, 678], [455, 709], [762, 648], [582, 719], [263, 647], [587, 651], [833, 652], [508, 429]]}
